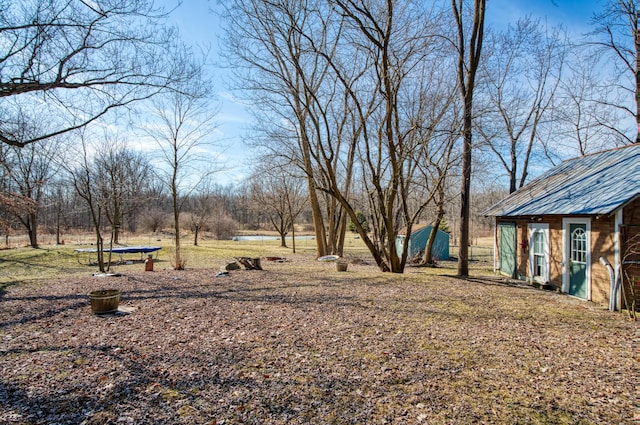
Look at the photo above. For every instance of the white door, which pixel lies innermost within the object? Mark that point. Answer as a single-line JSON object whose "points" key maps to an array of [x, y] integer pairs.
{"points": [[539, 252]]}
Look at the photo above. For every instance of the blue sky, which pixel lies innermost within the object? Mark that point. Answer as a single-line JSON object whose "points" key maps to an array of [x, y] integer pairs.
{"points": [[573, 14], [198, 25]]}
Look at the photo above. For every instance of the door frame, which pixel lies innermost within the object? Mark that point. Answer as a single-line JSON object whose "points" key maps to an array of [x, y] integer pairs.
{"points": [[566, 246], [544, 228]]}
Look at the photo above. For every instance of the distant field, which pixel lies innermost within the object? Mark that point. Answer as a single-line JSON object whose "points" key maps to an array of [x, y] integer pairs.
{"points": [[23, 263]]}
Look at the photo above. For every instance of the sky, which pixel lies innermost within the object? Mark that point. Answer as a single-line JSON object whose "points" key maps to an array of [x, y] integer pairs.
{"points": [[199, 26]]}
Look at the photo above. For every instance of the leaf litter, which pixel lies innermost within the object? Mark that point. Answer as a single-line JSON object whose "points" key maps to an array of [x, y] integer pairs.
{"points": [[301, 343]]}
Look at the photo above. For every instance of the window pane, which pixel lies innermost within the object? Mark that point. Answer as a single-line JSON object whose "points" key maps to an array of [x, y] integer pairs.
{"points": [[579, 246]]}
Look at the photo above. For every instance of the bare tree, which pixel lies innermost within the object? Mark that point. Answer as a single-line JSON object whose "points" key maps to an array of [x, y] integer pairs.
{"points": [[521, 73], [13, 205], [337, 74], [60, 205], [202, 210], [122, 176], [287, 75], [436, 172], [281, 197], [73, 61], [617, 35], [469, 48], [110, 178], [182, 130], [86, 182], [29, 170], [582, 121]]}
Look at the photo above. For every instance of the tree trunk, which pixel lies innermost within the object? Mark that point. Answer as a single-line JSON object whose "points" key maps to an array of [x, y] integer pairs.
{"points": [[465, 195], [513, 173], [316, 214], [342, 231], [99, 241], [466, 78], [33, 230], [427, 259], [293, 233], [58, 214], [116, 221], [100, 251], [179, 263]]}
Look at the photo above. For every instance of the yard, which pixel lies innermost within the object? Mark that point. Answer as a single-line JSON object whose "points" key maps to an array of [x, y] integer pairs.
{"points": [[301, 343]]}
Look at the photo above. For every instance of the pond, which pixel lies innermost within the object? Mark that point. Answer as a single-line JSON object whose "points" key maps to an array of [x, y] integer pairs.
{"points": [[268, 238]]}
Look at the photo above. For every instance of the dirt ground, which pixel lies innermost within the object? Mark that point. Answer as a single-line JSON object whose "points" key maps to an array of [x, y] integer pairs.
{"points": [[301, 343]]}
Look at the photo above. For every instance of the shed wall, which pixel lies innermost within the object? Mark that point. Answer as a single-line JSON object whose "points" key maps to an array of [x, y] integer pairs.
{"points": [[555, 250], [630, 253], [602, 244]]}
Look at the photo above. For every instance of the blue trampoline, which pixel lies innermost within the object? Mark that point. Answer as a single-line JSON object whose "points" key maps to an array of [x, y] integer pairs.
{"points": [[121, 251]]}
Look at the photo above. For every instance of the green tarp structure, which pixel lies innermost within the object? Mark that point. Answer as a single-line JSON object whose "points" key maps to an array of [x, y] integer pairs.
{"points": [[418, 242]]}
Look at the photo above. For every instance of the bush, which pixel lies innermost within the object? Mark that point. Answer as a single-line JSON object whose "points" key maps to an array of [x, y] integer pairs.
{"points": [[225, 227], [154, 220], [363, 222]]}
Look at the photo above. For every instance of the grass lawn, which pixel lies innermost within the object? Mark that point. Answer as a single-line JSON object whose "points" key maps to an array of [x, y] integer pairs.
{"points": [[301, 343]]}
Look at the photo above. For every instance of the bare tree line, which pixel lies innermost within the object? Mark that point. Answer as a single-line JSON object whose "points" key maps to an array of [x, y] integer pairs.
{"points": [[391, 111]]}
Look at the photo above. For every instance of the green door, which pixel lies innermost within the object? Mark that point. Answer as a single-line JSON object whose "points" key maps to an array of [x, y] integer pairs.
{"points": [[508, 249], [578, 260]]}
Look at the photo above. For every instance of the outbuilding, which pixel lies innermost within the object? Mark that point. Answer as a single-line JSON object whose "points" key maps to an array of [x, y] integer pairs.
{"points": [[576, 228], [418, 242]]}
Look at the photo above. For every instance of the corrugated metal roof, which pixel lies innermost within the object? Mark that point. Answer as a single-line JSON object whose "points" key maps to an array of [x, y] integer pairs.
{"points": [[594, 184]]}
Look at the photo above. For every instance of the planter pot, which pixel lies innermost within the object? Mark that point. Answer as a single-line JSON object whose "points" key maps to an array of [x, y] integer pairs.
{"points": [[105, 301], [341, 266]]}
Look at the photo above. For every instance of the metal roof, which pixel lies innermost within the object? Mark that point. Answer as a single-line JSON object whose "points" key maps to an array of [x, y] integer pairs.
{"points": [[594, 184]]}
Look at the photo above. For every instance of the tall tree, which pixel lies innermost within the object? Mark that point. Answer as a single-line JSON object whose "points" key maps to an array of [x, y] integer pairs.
{"points": [[122, 176], [73, 61], [618, 36], [469, 47], [29, 170], [182, 131], [286, 78], [521, 74], [86, 183], [337, 75]]}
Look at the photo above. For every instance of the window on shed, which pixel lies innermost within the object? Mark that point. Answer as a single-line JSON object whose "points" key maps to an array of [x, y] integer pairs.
{"points": [[539, 260]]}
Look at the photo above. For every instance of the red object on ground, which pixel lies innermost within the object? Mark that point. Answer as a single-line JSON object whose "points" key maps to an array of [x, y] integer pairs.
{"points": [[148, 264]]}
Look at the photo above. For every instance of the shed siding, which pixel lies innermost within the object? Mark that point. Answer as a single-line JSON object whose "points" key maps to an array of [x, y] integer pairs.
{"points": [[523, 250], [602, 245], [555, 250], [631, 213], [631, 270]]}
